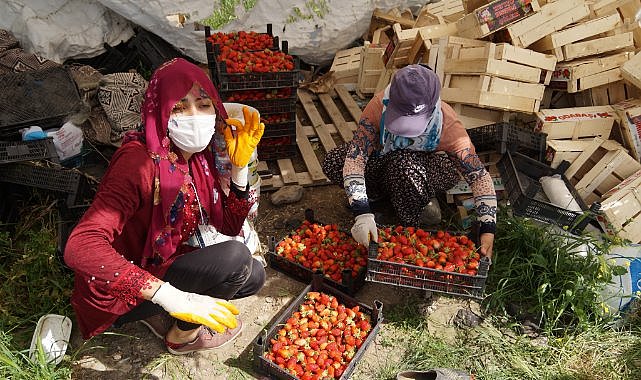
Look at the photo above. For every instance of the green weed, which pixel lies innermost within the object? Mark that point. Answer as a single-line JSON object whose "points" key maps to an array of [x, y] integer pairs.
{"points": [[226, 13], [16, 365]]}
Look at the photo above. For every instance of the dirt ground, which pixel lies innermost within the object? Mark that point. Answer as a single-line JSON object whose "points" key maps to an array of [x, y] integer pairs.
{"points": [[132, 352]]}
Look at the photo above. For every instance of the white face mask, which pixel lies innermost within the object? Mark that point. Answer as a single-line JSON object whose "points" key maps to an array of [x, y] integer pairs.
{"points": [[192, 133]]}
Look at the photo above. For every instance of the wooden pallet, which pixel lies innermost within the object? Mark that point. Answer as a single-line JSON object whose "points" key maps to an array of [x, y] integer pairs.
{"points": [[338, 127]]}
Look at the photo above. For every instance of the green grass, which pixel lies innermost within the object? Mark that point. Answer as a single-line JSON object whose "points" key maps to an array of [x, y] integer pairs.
{"points": [[226, 13], [500, 353]]}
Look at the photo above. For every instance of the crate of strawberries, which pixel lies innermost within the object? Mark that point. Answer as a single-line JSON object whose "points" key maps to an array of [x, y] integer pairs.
{"points": [[322, 335], [321, 247], [438, 261], [249, 60]]}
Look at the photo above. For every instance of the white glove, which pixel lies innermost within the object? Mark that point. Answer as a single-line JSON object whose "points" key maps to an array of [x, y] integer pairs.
{"points": [[239, 176], [196, 308], [364, 228]]}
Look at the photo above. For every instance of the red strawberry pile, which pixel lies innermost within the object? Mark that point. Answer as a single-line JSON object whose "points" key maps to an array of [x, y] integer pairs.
{"points": [[320, 339], [242, 41], [323, 247], [277, 93], [439, 250]]}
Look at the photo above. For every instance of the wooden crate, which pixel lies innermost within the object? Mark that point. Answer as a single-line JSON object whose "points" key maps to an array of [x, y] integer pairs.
{"points": [[554, 42], [450, 10], [599, 168], [621, 209], [569, 150], [631, 70], [627, 9], [335, 126], [492, 92], [494, 16], [380, 19], [577, 122], [629, 112], [473, 117], [442, 49], [405, 45], [346, 65], [603, 95], [615, 43], [583, 74], [550, 18], [371, 67]]}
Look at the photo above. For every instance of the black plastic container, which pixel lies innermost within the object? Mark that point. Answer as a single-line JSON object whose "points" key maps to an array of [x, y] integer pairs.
{"points": [[502, 137], [521, 176], [16, 151], [44, 98], [318, 284]]}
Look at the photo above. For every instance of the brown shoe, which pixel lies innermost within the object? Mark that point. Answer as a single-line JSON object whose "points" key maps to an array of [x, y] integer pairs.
{"points": [[206, 340], [434, 374], [159, 324]]}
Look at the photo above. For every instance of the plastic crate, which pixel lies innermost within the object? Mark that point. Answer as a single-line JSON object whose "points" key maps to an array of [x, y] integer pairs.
{"points": [[521, 176], [69, 217], [505, 136], [272, 106], [43, 98], [348, 284], [415, 277], [277, 151], [261, 344], [49, 177], [15, 151], [287, 128]]}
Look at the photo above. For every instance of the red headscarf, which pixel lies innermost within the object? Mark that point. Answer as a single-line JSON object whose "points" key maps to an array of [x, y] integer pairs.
{"points": [[167, 86]]}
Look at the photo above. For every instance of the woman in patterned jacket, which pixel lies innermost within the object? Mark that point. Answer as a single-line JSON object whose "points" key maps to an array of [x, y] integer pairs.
{"points": [[410, 145]]}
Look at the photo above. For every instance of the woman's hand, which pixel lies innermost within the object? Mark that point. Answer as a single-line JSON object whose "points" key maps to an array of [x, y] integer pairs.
{"points": [[196, 308], [242, 142], [487, 243]]}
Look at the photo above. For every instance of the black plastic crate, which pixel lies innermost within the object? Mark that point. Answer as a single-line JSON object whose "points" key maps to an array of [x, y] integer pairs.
{"points": [[16, 151], [423, 278], [262, 342], [278, 151], [521, 176], [44, 98], [280, 129], [502, 137], [69, 218], [152, 50], [70, 182], [349, 284], [272, 106]]}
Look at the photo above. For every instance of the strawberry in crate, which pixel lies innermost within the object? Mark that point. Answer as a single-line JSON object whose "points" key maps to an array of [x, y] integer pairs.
{"points": [[438, 250], [320, 339], [323, 247]]}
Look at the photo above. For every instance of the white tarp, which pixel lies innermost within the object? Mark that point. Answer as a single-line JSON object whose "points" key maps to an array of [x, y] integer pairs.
{"points": [[61, 29]]}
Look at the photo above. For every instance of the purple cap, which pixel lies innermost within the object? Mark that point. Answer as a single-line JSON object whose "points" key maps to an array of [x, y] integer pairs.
{"points": [[412, 96]]}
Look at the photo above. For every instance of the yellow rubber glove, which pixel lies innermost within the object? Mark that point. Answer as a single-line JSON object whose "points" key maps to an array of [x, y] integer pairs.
{"points": [[242, 142], [212, 312]]}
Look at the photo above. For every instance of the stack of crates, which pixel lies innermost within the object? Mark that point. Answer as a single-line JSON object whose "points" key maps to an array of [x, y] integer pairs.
{"points": [[251, 68], [44, 98]]}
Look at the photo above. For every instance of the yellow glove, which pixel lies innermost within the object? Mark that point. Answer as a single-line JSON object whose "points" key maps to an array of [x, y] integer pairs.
{"points": [[242, 142], [212, 312]]}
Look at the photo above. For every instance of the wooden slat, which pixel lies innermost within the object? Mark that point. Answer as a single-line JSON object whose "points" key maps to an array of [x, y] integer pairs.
{"points": [[336, 116], [287, 171], [349, 102], [584, 157], [316, 119], [599, 172], [309, 157]]}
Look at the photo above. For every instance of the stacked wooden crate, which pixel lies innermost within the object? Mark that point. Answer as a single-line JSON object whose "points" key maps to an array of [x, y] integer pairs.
{"points": [[346, 67], [499, 76], [581, 137]]}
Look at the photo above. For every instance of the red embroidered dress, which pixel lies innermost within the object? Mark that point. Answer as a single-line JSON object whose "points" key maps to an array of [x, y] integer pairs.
{"points": [[137, 224]]}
